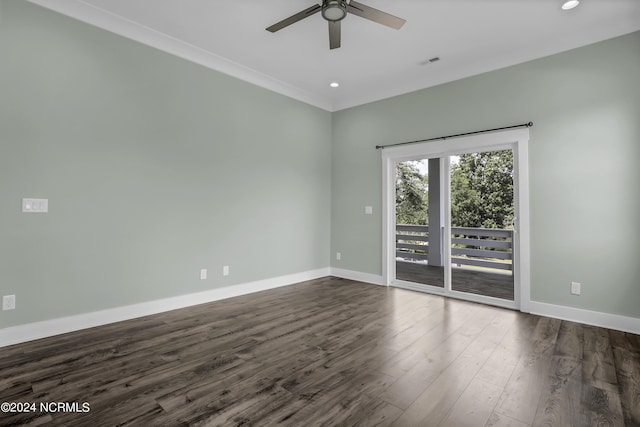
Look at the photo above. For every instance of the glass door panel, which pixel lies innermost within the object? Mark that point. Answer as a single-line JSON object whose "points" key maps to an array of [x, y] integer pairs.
{"points": [[482, 218], [419, 222]]}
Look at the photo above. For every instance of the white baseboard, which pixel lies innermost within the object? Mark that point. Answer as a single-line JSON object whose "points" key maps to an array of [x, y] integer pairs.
{"points": [[32, 331], [594, 318], [357, 275]]}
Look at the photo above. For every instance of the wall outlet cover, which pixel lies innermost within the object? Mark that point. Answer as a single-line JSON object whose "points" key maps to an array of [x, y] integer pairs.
{"points": [[35, 205], [8, 302], [575, 288]]}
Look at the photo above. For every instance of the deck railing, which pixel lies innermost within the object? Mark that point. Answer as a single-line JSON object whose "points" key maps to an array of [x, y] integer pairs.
{"points": [[412, 241], [477, 247]]}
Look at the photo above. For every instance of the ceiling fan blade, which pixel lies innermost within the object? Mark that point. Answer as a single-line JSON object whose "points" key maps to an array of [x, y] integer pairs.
{"points": [[334, 34], [295, 18], [375, 15]]}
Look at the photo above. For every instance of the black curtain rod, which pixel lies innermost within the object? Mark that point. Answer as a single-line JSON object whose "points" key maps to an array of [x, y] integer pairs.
{"points": [[524, 125]]}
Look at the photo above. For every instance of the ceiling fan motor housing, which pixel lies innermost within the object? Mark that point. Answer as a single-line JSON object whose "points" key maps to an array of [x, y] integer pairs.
{"points": [[334, 10]]}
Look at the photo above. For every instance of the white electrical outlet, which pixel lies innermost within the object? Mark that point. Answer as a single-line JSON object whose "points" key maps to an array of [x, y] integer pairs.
{"points": [[368, 210], [338, 256], [225, 270], [203, 274], [8, 302], [575, 288], [35, 205]]}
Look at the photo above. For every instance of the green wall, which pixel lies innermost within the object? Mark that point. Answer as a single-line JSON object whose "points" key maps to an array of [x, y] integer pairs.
{"points": [[584, 151], [154, 168]]}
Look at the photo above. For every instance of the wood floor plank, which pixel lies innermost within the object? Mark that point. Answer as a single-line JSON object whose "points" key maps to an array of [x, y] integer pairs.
{"points": [[474, 406], [355, 402], [430, 366], [560, 403], [626, 351], [433, 405], [523, 391], [378, 414], [498, 369], [601, 407], [439, 329], [330, 352], [598, 368], [498, 420]]}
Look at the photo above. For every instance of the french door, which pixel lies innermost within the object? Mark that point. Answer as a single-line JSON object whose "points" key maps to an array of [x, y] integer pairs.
{"points": [[455, 218]]}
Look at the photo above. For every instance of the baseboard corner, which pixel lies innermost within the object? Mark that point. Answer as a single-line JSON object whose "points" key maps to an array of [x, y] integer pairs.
{"points": [[359, 276]]}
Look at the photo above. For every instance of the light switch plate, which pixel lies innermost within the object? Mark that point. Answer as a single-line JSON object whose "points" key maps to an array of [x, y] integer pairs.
{"points": [[203, 274], [368, 210]]}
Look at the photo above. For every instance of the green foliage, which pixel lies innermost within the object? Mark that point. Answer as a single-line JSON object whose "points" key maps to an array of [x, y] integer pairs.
{"points": [[411, 194], [482, 190]]}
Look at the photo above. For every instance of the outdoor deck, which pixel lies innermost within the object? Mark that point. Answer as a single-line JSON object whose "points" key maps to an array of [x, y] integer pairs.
{"points": [[481, 259], [464, 280]]}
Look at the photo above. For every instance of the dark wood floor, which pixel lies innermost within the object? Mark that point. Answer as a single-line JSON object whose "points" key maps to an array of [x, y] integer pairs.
{"points": [[331, 352], [497, 285]]}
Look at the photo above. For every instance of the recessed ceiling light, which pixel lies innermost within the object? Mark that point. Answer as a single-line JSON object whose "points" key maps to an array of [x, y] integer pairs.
{"points": [[570, 4], [334, 84]]}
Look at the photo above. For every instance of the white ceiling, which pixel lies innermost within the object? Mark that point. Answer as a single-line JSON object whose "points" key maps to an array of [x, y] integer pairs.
{"points": [[374, 62]]}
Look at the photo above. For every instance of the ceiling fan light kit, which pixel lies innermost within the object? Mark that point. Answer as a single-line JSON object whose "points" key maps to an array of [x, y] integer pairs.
{"points": [[570, 4], [334, 11]]}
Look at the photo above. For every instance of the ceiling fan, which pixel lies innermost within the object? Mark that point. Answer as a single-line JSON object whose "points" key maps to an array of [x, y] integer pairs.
{"points": [[335, 11]]}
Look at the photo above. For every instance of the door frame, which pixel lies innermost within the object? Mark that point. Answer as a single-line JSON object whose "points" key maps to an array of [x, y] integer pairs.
{"points": [[516, 140]]}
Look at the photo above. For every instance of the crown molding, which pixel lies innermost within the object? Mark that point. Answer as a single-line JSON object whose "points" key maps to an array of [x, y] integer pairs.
{"points": [[92, 15]]}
